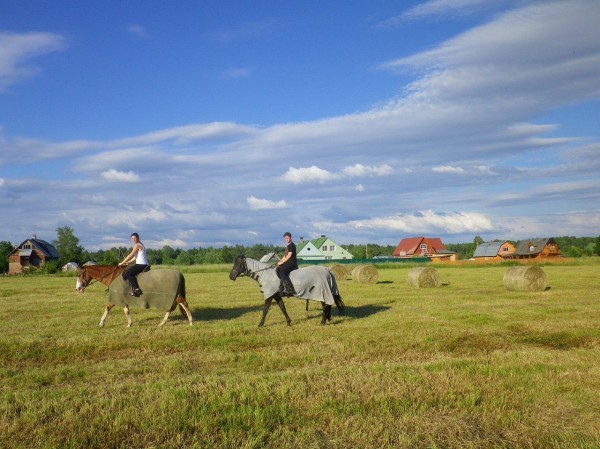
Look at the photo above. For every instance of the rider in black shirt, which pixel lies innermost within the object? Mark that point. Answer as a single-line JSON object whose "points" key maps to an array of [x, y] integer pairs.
{"points": [[287, 265]]}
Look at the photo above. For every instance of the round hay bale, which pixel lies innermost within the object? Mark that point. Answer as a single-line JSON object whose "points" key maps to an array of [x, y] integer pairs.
{"points": [[365, 274], [525, 279], [340, 271], [424, 277]]}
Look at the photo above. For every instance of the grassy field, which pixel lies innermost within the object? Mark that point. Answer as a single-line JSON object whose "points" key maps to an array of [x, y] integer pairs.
{"points": [[466, 365]]}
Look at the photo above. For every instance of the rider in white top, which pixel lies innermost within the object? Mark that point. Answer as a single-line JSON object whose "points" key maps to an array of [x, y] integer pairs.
{"points": [[138, 252]]}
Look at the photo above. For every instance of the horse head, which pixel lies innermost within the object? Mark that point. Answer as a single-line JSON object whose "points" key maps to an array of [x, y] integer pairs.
{"points": [[239, 268], [83, 280]]}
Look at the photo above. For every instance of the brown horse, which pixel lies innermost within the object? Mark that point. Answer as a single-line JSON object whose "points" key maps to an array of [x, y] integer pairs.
{"points": [[163, 289]]}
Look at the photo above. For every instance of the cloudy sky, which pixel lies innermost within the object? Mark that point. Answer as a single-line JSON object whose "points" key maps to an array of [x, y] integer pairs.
{"points": [[209, 123]]}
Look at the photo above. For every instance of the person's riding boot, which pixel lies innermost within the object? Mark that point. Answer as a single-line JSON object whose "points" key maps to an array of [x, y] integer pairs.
{"points": [[289, 288]]}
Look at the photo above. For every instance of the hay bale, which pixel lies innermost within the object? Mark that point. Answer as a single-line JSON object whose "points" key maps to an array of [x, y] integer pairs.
{"points": [[424, 277], [525, 279], [365, 274], [340, 271]]}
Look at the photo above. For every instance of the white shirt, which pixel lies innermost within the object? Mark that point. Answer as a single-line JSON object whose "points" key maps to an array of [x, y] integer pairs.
{"points": [[141, 257]]}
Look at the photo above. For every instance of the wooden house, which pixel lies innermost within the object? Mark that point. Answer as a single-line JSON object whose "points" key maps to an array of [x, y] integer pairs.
{"points": [[33, 253], [423, 247], [535, 249], [493, 251], [322, 248]]}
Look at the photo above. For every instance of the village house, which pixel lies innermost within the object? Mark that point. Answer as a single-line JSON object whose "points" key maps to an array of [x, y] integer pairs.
{"points": [[424, 247], [322, 248], [535, 249], [493, 251], [32, 253]]}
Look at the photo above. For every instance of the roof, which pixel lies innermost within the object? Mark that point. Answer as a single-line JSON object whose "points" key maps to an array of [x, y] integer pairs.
{"points": [[531, 246], [489, 249], [410, 246], [41, 245]]}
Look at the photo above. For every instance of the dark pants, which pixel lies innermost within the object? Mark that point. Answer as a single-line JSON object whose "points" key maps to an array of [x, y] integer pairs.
{"points": [[283, 273], [131, 272]]}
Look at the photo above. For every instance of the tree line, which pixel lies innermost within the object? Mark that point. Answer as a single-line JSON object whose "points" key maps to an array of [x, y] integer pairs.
{"points": [[69, 249]]}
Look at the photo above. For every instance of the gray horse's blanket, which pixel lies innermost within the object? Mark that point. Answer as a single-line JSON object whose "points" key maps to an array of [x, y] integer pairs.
{"points": [[160, 289], [315, 283]]}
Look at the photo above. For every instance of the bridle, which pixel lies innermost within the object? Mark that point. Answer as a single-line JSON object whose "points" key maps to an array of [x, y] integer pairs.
{"points": [[243, 271], [85, 283]]}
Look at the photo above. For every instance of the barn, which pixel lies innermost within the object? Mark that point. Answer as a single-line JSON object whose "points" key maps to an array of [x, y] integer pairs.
{"points": [[31, 253]]}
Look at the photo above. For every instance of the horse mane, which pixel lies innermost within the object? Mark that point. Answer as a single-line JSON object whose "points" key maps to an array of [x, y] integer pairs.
{"points": [[104, 273]]}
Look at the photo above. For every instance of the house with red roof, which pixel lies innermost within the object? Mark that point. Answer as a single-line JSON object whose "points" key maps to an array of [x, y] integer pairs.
{"points": [[423, 247]]}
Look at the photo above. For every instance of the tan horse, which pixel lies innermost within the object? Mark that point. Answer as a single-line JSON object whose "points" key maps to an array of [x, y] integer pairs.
{"points": [[163, 289]]}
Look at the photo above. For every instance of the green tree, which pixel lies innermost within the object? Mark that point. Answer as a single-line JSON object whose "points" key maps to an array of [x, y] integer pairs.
{"points": [[597, 250], [67, 245], [168, 255], [5, 249]]}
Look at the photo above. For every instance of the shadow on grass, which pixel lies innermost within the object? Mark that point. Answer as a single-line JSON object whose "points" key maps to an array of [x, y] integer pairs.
{"points": [[210, 313], [363, 311]]}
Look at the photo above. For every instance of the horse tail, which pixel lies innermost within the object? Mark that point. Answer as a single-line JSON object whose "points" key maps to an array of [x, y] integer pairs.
{"points": [[181, 290], [339, 304], [181, 294], [337, 298]]}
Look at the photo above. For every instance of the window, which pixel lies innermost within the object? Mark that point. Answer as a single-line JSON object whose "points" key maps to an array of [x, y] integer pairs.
{"points": [[324, 248], [332, 248]]}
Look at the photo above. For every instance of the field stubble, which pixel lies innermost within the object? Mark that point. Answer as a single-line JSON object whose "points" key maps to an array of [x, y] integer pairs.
{"points": [[466, 365]]}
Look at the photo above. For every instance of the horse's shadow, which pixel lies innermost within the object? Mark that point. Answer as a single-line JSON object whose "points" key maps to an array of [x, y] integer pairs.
{"points": [[214, 313], [363, 311]]}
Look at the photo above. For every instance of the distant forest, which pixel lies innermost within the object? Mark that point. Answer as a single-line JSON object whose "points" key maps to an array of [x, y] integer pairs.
{"points": [[69, 249]]}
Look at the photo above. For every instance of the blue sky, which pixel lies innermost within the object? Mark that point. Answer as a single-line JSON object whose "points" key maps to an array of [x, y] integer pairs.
{"points": [[205, 123]]}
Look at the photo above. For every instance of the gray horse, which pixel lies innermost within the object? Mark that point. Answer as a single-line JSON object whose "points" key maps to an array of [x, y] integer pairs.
{"points": [[315, 283]]}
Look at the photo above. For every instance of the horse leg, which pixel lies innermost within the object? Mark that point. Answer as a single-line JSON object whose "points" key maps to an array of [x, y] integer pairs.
{"points": [[307, 305], [266, 307], [105, 314], [281, 305], [165, 318], [326, 313], [184, 308], [128, 315]]}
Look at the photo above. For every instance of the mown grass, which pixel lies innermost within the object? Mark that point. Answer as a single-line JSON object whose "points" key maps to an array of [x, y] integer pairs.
{"points": [[467, 365]]}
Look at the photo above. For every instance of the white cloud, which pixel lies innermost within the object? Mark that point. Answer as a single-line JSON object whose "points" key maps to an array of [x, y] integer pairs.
{"points": [[309, 174], [316, 174], [448, 169], [240, 72], [113, 175], [359, 171], [137, 30], [16, 49], [359, 188], [428, 222], [259, 204]]}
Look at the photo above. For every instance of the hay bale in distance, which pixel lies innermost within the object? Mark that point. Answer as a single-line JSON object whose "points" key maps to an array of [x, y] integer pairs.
{"points": [[365, 274], [340, 271], [525, 279], [424, 277]]}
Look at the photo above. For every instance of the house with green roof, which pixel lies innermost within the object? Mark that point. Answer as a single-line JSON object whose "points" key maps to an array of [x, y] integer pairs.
{"points": [[322, 248]]}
